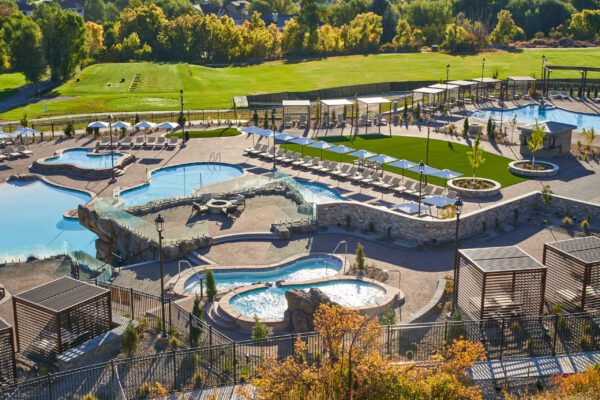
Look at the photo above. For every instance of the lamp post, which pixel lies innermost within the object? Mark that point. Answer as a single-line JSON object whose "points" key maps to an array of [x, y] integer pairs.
{"points": [[159, 222], [112, 153], [542, 73], [482, 69], [427, 149], [421, 168], [447, 72], [181, 119], [458, 204]]}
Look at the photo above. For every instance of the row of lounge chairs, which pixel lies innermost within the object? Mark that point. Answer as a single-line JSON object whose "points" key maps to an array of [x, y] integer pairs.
{"points": [[14, 152], [152, 142]]}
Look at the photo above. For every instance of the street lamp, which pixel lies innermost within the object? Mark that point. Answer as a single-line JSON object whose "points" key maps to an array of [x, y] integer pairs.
{"points": [[447, 71], [482, 69], [421, 168], [159, 222], [427, 151], [112, 153], [458, 204], [181, 118], [542, 74]]}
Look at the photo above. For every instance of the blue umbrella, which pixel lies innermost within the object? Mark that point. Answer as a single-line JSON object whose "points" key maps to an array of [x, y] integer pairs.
{"points": [[6, 135], [285, 137], [321, 145], [427, 170], [363, 154], [402, 164], [251, 130], [447, 174], [341, 149], [439, 201], [302, 141], [410, 207], [383, 159], [265, 133]]}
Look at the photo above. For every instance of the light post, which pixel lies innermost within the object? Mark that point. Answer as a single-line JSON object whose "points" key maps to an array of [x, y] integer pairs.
{"points": [[458, 204], [181, 119], [447, 72], [427, 149], [542, 73], [482, 69], [421, 168], [446, 97], [159, 222], [112, 152]]}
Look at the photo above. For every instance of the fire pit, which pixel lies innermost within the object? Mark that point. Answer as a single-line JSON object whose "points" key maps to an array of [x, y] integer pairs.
{"points": [[215, 206]]}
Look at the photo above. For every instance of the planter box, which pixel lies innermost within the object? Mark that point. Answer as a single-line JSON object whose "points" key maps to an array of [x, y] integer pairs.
{"points": [[512, 167], [463, 192]]}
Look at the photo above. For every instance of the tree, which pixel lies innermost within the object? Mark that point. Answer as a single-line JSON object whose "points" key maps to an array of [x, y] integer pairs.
{"points": [[25, 49], [255, 118], [365, 31], [389, 22], [111, 12], [94, 10], [308, 20], [430, 17], [211, 286], [476, 155], [342, 12], [547, 197], [198, 312], [94, 37], [267, 7], [536, 141], [389, 317], [506, 30], [466, 126], [360, 258], [146, 21], [491, 129], [259, 330], [589, 135]]}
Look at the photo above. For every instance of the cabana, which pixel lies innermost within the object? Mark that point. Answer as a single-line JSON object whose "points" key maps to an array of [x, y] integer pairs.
{"points": [[372, 101], [483, 85], [299, 108], [556, 142], [520, 84], [8, 365], [59, 315], [574, 273], [462, 87], [425, 91], [447, 88], [327, 104], [499, 282]]}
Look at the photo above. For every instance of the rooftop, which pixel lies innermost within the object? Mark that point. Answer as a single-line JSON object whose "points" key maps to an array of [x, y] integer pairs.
{"points": [[373, 100], [4, 325], [552, 127], [336, 102], [521, 78], [290, 103], [496, 259], [586, 249], [61, 294]]}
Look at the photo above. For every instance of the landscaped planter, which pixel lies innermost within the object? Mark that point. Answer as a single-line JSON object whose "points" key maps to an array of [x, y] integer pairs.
{"points": [[524, 168], [483, 187]]}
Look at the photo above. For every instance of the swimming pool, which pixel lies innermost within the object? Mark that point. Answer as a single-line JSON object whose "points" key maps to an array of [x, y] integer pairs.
{"points": [[84, 158], [315, 193], [32, 222], [303, 269], [270, 303], [528, 114], [179, 181]]}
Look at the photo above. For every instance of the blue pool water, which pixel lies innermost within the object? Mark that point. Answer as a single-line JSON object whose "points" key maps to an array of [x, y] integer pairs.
{"points": [[179, 181], [270, 303], [315, 193], [84, 158], [304, 269], [32, 222], [528, 114]]}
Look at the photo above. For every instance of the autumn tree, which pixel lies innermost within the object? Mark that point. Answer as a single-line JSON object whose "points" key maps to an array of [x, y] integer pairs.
{"points": [[536, 141], [506, 30], [94, 37], [476, 155]]}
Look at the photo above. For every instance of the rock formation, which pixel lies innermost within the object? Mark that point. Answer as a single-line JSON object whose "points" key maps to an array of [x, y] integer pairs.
{"points": [[302, 306]]}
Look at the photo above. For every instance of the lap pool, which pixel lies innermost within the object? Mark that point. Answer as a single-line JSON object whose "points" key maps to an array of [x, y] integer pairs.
{"points": [[528, 114], [270, 303], [303, 269], [179, 181], [32, 222], [84, 158]]}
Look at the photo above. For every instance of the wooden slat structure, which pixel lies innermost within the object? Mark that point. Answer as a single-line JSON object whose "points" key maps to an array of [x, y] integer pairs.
{"points": [[499, 282], [59, 315], [8, 367], [574, 273]]}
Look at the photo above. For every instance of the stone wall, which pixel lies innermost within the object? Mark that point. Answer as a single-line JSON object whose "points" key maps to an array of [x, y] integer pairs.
{"points": [[412, 228], [76, 170]]}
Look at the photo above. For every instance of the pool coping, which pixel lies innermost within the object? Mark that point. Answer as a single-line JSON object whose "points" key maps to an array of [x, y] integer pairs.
{"points": [[75, 169], [178, 281]]}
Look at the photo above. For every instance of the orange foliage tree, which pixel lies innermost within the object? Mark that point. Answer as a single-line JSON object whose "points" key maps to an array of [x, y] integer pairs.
{"points": [[352, 368]]}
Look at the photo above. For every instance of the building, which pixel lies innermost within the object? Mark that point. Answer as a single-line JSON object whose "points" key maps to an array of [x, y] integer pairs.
{"points": [[556, 142]]}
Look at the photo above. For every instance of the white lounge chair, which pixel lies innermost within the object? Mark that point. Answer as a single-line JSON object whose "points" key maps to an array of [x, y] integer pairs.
{"points": [[315, 164], [151, 141], [341, 171], [24, 151], [126, 142], [341, 122], [139, 142], [160, 142], [172, 143], [104, 142], [302, 122]]}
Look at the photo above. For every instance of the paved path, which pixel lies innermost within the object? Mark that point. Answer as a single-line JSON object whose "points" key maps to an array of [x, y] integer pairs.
{"points": [[24, 95]]}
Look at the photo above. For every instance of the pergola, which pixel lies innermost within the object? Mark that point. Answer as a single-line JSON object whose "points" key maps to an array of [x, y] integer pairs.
{"points": [[372, 101], [329, 103], [519, 82], [58, 316], [425, 91], [484, 83], [463, 86], [574, 273], [298, 107], [446, 87], [8, 367], [498, 282], [549, 68]]}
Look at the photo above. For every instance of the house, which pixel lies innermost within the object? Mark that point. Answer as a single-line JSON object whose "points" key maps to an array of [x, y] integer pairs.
{"points": [[556, 142], [25, 8], [73, 5]]}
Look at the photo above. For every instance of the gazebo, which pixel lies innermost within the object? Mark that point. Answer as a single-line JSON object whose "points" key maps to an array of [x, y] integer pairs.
{"points": [[296, 107], [373, 101], [463, 86], [483, 84], [8, 367], [447, 88], [333, 103], [425, 91], [499, 282], [574, 273], [59, 315], [521, 83]]}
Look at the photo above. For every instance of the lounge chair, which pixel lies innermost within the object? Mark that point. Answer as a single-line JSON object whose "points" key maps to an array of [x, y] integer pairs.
{"points": [[199, 208], [3, 156], [381, 120], [249, 150], [239, 200], [370, 178], [267, 151], [316, 164], [302, 122], [565, 95], [288, 122], [339, 172], [104, 142], [341, 122], [329, 123], [555, 95], [298, 162], [261, 149], [285, 155], [151, 141], [290, 160], [276, 155], [306, 162], [359, 177], [24, 151], [411, 189], [160, 142], [397, 186], [325, 167], [596, 100], [172, 143], [438, 191], [384, 183], [139, 142], [352, 172], [12, 152], [126, 142]]}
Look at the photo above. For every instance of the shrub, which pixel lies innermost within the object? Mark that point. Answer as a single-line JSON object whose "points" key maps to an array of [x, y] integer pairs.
{"points": [[198, 379], [130, 340], [409, 354], [318, 357], [360, 258], [567, 221], [144, 390], [226, 367], [194, 358], [586, 342], [456, 329], [585, 224], [142, 325], [557, 308], [90, 396], [259, 331], [198, 312], [211, 286], [389, 317], [515, 327], [246, 373], [174, 343], [69, 131]]}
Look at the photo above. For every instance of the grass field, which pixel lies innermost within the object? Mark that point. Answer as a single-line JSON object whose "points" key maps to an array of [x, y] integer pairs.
{"points": [[108, 87], [442, 155], [222, 132], [9, 82]]}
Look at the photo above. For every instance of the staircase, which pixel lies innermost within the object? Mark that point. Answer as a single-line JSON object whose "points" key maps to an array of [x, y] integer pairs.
{"points": [[217, 317]]}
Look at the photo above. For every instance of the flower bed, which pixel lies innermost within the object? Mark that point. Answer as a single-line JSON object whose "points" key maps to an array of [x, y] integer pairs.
{"points": [[527, 168], [474, 187]]}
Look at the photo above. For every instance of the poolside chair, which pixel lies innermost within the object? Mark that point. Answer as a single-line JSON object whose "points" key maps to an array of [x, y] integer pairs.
{"points": [[288, 122], [249, 150], [302, 122], [325, 167], [104, 142], [373, 176], [277, 155], [329, 123], [239, 200], [306, 162], [24, 151], [384, 183], [139, 142], [199, 208], [160, 142], [565, 95], [381, 119], [438, 191], [126, 142], [397, 185], [261, 149], [299, 161], [172, 143], [267, 151], [525, 95], [341, 171], [151, 141], [358, 177], [12, 152], [341, 122], [285, 156], [289, 160], [315, 165], [3, 156], [555, 95], [348, 175], [410, 188]]}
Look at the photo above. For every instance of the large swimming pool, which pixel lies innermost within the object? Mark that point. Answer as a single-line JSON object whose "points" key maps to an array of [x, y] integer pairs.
{"points": [[315, 193], [304, 269], [32, 222], [84, 158], [179, 181], [270, 303], [528, 114]]}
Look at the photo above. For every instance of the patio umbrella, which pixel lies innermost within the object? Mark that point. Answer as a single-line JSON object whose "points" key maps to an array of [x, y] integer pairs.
{"points": [[121, 124], [302, 141], [447, 174], [383, 159], [321, 145], [145, 125], [285, 137], [341, 149], [268, 133], [427, 170], [251, 130], [6, 135], [363, 154], [167, 125], [438, 201], [98, 124], [402, 164], [410, 207]]}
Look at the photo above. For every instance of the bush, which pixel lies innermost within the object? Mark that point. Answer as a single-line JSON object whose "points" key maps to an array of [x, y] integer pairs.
{"points": [[259, 331], [198, 379], [194, 358], [211, 286], [144, 390], [198, 312], [174, 343], [226, 367], [557, 308], [389, 317], [130, 340], [90, 396], [360, 258], [567, 221], [69, 130], [585, 224], [456, 329]]}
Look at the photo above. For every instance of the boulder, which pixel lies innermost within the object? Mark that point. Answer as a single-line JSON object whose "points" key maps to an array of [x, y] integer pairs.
{"points": [[302, 306]]}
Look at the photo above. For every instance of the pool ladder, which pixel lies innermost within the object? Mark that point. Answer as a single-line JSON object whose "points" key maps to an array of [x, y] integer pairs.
{"points": [[343, 242], [215, 156]]}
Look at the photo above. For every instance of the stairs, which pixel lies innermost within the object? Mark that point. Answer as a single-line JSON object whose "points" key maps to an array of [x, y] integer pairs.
{"points": [[194, 259], [217, 317]]}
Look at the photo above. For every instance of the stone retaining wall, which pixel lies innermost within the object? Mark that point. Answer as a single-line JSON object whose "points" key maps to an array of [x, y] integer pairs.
{"points": [[77, 170], [419, 230]]}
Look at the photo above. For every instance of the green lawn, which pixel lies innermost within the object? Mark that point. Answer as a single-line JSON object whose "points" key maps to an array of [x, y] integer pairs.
{"points": [[442, 155], [211, 87], [222, 132], [9, 83]]}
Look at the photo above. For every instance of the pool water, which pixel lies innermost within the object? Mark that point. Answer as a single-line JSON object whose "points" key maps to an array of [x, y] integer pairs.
{"points": [[528, 114], [304, 269], [84, 158], [179, 181], [270, 303], [32, 222], [315, 193]]}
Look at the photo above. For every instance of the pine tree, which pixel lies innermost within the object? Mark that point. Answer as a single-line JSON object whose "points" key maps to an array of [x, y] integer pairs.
{"points": [[198, 312], [360, 258], [211, 286]]}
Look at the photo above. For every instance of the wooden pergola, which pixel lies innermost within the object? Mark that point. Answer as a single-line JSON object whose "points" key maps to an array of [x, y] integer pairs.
{"points": [[59, 315], [574, 273], [499, 282], [8, 365]]}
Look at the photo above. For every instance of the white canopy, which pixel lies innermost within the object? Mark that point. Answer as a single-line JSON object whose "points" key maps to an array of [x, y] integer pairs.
{"points": [[373, 100], [291, 103], [121, 124], [336, 102], [428, 90], [444, 86], [168, 125], [462, 83], [98, 124], [521, 78], [486, 80], [145, 124]]}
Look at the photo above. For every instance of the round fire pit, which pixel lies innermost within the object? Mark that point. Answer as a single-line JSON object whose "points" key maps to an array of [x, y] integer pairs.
{"points": [[215, 206]]}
